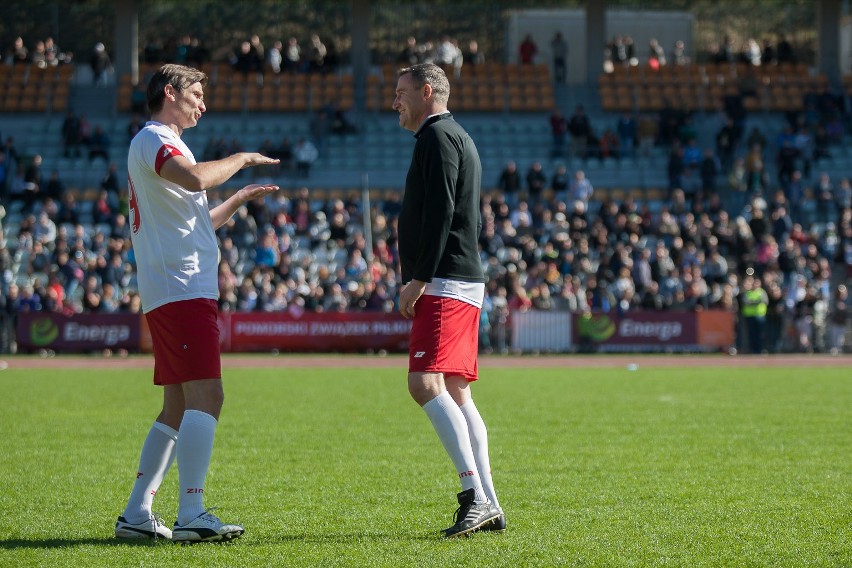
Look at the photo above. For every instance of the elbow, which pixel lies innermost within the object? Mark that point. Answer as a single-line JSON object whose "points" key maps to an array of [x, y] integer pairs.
{"points": [[196, 183]]}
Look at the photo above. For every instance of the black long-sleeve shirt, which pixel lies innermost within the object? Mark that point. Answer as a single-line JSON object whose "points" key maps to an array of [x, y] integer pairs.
{"points": [[440, 222]]}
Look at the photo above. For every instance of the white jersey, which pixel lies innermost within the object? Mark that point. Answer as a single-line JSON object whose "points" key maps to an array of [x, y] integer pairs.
{"points": [[172, 234]]}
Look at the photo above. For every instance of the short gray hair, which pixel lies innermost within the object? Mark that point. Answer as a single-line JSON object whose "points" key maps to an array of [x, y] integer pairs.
{"points": [[432, 75]]}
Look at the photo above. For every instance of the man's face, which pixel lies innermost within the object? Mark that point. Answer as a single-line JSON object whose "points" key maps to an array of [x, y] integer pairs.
{"points": [[410, 103], [190, 104]]}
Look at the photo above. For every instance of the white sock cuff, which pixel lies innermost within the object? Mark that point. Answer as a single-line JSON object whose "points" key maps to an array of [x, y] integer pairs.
{"points": [[438, 403], [167, 430], [199, 417]]}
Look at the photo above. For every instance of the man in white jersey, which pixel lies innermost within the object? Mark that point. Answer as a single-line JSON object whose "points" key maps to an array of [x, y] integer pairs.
{"points": [[172, 231]]}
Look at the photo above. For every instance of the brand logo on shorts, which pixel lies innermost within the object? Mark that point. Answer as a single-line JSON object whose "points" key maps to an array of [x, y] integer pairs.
{"points": [[419, 354]]}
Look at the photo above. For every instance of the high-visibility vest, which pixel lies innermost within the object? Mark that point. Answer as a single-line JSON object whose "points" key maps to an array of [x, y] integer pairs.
{"points": [[755, 303]]}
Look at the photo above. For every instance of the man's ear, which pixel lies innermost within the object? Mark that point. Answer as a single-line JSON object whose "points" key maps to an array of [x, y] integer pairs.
{"points": [[427, 91]]}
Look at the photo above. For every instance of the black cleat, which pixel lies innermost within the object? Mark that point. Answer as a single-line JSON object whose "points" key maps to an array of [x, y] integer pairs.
{"points": [[471, 516]]}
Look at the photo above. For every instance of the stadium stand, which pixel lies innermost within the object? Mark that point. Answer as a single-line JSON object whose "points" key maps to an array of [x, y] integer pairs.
{"points": [[559, 255]]}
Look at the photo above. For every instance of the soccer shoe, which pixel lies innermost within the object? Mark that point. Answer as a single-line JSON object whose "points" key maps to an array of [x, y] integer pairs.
{"points": [[471, 516], [151, 528], [498, 525], [206, 527]]}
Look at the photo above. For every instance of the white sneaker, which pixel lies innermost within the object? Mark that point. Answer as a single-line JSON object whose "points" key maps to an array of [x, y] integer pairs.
{"points": [[206, 527], [151, 528]]}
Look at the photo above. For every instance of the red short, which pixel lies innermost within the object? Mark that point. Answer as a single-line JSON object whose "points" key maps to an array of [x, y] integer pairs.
{"points": [[186, 341], [444, 337]]}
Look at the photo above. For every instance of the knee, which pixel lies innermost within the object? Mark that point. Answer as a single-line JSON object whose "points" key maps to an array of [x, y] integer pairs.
{"points": [[423, 389], [419, 392]]}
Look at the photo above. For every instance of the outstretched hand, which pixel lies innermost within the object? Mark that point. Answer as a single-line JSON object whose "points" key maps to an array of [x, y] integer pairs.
{"points": [[256, 190], [255, 159]]}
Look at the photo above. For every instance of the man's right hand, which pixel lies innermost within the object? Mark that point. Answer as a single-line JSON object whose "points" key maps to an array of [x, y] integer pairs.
{"points": [[255, 159]]}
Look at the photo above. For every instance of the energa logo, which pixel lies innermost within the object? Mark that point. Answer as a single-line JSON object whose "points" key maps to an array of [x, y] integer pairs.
{"points": [[43, 331], [596, 327]]}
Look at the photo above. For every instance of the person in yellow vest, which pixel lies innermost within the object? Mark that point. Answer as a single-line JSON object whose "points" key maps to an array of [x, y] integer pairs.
{"points": [[753, 307]]}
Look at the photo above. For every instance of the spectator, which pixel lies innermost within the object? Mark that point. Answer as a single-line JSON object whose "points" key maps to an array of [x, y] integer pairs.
{"points": [[838, 318], [824, 191], [510, 182], [71, 135], [679, 56], [17, 54], [785, 51], [527, 50], [305, 154], [581, 189], [410, 54], [292, 60], [99, 144], [710, 168], [473, 56], [558, 128], [536, 182], [609, 144], [317, 55], [559, 49], [626, 129], [275, 56], [100, 64], [580, 129], [559, 182], [656, 54]]}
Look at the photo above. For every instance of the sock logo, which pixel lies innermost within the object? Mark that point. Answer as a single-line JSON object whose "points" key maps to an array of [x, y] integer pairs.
{"points": [[466, 474], [139, 474], [193, 490], [419, 354]]}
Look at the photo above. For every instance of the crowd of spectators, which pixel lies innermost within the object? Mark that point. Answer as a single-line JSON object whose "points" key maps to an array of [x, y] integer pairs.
{"points": [[548, 240], [551, 250], [621, 51], [43, 54]]}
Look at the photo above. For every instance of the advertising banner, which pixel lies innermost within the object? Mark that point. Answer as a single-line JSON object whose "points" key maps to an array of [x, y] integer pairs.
{"points": [[650, 331], [79, 332], [307, 331]]}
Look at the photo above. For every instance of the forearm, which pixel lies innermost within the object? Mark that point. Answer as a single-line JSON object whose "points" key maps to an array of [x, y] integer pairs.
{"points": [[207, 175], [220, 214]]}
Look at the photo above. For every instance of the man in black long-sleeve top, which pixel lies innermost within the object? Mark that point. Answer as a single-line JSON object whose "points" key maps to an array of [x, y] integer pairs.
{"points": [[439, 229]]}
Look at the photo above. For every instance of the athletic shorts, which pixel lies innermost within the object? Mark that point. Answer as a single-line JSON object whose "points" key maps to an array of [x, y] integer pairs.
{"points": [[444, 337], [186, 341]]}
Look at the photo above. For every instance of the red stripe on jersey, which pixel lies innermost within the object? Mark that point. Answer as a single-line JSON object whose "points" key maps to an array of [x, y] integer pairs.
{"points": [[165, 152]]}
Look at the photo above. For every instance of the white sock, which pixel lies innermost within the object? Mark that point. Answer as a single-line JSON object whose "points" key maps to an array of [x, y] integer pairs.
{"points": [[451, 426], [479, 444], [158, 453], [194, 448]]}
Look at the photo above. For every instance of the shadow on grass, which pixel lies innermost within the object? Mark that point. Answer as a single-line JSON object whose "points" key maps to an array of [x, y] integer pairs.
{"points": [[347, 538], [48, 543]]}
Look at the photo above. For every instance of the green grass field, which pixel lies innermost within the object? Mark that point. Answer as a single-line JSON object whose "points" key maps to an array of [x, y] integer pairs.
{"points": [[594, 467]]}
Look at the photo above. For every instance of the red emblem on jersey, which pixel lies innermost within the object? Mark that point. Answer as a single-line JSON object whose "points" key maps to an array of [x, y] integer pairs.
{"points": [[165, 152], [133, 203]]}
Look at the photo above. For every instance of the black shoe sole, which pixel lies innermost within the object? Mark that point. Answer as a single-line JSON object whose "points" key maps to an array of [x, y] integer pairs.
{"points": [[471, 530], [227, 537], [498, 525]]}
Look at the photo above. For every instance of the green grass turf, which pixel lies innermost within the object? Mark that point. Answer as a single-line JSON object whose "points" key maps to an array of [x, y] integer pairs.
{"points": [[594, 467]]}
